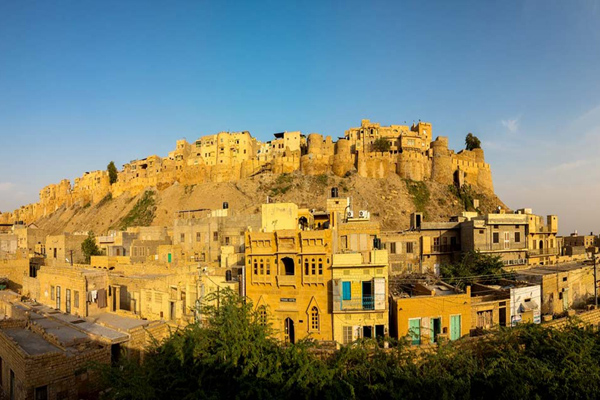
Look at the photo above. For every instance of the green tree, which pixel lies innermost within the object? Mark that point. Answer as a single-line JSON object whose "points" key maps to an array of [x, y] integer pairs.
{"points": [[381, 145], [112, 172], [231, 354], [90, 248], [472, 142], [473, 264]]}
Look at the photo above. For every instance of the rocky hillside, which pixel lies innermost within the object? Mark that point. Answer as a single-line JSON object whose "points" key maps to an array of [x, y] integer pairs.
{"points": [[390, 201]]}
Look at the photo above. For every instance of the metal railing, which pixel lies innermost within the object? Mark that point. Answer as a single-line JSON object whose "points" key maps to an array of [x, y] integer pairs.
{"points": [[543, 252], [361, 303]]}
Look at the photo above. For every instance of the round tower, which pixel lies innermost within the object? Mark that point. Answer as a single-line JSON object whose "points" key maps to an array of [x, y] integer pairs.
{"points": [[315, 143], [342, 160], [441, 169]]}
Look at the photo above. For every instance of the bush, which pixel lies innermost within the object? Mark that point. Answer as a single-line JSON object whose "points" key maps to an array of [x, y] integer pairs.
{"points": [[381, 145], [419, 193], [233, 355], [112, 172], [142, 213], [472, 142]]}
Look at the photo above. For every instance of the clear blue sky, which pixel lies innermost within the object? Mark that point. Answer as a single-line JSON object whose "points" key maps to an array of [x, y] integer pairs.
{"points": [[83, 83]]}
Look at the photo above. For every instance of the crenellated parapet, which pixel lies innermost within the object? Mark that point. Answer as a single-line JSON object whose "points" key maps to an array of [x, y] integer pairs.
{"points": [[229, 156]]}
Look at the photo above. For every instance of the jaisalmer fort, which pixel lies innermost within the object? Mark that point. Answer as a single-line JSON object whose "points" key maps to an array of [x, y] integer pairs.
{"points": [[229, 156]]}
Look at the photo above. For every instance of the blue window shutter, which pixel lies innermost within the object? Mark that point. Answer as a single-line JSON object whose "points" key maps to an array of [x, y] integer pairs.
{"points": [[346, 291]]}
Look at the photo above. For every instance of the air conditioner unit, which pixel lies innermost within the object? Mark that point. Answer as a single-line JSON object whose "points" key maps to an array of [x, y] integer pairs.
{"points": [[350, 214], [363, 214]]}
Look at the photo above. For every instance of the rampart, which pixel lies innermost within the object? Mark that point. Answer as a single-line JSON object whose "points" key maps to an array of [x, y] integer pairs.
{"points": [[228, 157]]}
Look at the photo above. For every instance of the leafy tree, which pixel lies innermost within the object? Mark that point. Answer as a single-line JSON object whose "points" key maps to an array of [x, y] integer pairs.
{"points": [[472, 142], [90, 248], [231, 354], [112, 172], [381, 145], [473, 264]]}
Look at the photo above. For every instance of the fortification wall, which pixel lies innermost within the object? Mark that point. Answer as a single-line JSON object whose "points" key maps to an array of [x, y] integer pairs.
{"points": [[189, 165]]}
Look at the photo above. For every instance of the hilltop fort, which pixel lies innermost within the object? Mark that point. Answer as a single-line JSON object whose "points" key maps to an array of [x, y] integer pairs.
{"points": [[231, 156]]}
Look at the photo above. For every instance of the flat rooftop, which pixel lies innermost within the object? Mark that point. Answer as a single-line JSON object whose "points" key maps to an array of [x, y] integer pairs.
{"points": [[417, 289], [32, 343], [552, 269], [118, 322]]}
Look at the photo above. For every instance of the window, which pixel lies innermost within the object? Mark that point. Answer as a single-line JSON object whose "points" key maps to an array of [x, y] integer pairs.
{"points": [[255, 266], [496, 237], [517, 237], [51, 292], [314, 266], [58, 297], [320, 266], [409, 247], [314, 319], [41, 393], [346, 291], [262, 267], [393, 248], [268, 266], [76, 298], [306, 266], [226, 240], [182, 238], [198, 236], [347, 333], [215, 236], [344, 242], [68, 301]]}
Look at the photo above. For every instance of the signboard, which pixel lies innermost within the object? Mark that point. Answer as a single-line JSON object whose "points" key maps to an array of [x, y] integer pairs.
{"points": [[537, 317], [287, 300]]}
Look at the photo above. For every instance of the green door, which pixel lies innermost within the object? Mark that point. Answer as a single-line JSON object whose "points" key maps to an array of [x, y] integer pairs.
{"points": [[414, 330], [454, 327], [169, 257]]}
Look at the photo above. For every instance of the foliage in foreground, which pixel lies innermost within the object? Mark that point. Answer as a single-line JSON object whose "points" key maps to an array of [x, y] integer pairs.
{"points": [[232, 356]]}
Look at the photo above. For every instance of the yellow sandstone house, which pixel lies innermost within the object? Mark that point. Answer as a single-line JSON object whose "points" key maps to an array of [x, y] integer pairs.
{"points": [[318, 274]]}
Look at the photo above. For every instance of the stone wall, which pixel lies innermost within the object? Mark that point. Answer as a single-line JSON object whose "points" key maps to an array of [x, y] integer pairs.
{"points": [[233, 156]]}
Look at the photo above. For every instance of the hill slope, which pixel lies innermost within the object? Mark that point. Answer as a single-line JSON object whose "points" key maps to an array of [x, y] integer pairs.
{"points": [[390, 201]]}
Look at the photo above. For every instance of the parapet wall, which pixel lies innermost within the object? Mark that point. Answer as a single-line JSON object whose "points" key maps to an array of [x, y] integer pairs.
{"points": [[233, 156]]}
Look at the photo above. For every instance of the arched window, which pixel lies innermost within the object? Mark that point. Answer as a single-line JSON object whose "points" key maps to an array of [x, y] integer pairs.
{"points": [[314, 319], [255, 266], [314, 267], [268, 262], [262, 316], [320, 266], [306, 266]]}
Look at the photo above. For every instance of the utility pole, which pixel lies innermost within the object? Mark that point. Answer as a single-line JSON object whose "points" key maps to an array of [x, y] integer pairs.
{"points": [[595, 280]]}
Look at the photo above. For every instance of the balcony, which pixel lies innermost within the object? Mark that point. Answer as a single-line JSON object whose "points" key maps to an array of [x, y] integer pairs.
{"points": [[543, 252], [365, 303], [286, 280], [445, 248]]}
